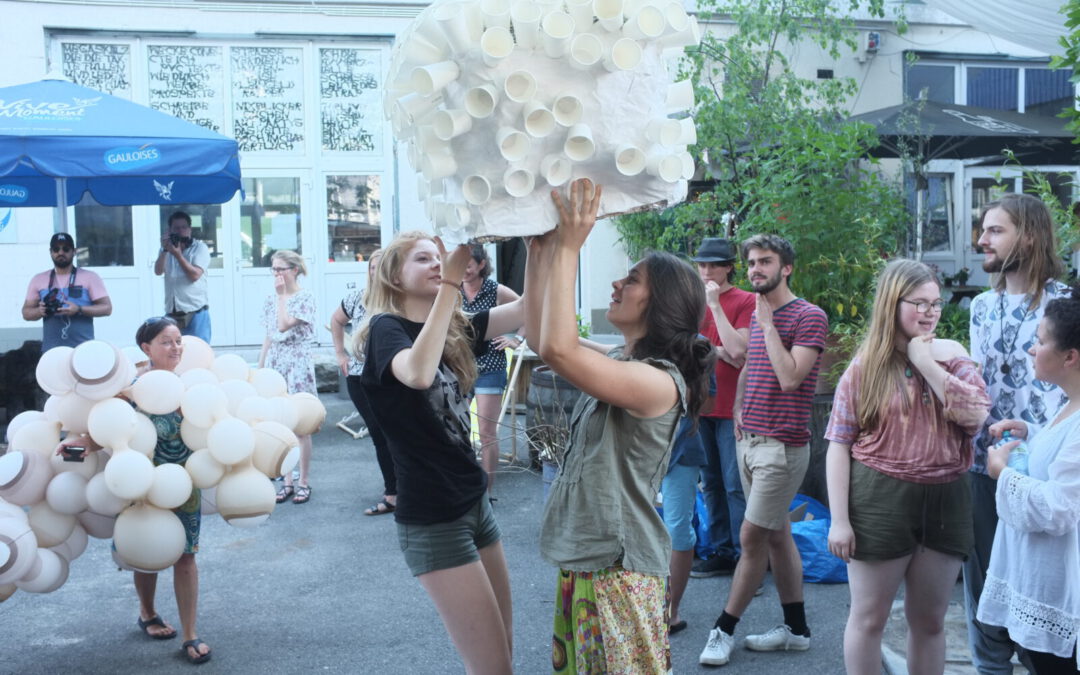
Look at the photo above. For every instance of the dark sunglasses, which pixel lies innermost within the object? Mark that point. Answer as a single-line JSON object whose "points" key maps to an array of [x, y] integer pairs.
{"points": [[65, 249]]}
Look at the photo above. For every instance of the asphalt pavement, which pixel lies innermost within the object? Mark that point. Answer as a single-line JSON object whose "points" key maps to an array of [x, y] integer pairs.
{"points": [[321, 588]]}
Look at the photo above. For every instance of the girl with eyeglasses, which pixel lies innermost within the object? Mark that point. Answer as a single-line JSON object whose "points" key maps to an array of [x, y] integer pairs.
{"points": [[900, 433], [289, 319]]}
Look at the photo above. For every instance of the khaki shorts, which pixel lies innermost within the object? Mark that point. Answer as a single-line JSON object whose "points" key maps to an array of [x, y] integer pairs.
{"points": [[771, 474]]}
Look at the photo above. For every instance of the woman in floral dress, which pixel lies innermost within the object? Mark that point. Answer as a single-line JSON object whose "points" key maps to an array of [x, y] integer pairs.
{"points": [[289, 318]]}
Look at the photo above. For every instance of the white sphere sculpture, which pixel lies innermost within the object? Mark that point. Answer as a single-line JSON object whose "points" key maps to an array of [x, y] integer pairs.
{"points": [[230, 441], [171, 486], [92, 461], [48, 573], [145, 438], [66, 493], [101, 500], [208, 501], [50, 527], [204, 404], [268, 382], [24, 476], [73, 411], [18, 549], [195, 376], [197, 354], [310, 412], [158, 392], [253, 409], [205, 471], [9, 510], [100, 370], [22, 418], [230, 367], [53, 371], [276, 450], [245, 498], [129, 475], [193, 435], [283, 410], [135, 356], [149, 538], [41, 436], [74, 546], [237, 391], [111, 422], [97, 525]]}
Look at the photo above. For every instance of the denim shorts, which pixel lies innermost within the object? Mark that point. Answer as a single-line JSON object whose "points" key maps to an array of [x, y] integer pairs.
{"points": [[680, 496], [491, 383], [442, 546]]}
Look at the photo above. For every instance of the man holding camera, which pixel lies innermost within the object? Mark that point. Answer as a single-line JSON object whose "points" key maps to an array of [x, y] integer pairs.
{"points": [[66, 299], [183, 261]]}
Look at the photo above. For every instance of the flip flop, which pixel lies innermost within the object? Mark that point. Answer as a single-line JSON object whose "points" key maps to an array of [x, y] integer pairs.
{"points": [[380, 508], [156, 620], [676, 627], [195, 644]]}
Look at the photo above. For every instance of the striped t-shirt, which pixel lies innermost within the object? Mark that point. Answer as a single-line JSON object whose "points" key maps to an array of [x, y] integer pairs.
{"points": [[766, 408]]}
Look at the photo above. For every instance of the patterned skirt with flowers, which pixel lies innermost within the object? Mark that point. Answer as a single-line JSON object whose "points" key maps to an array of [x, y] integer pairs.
{"points": [[612, 621]]}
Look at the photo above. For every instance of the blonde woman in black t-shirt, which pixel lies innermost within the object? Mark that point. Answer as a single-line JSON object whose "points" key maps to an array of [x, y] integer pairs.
{"points": [[419, 367]]}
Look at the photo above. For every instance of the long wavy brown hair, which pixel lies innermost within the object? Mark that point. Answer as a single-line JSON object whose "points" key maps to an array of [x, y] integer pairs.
{"points": [[1035, 254], [386, 295]]}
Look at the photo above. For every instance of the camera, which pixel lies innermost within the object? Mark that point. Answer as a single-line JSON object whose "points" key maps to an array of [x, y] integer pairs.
{"points": [[74, 453], [52, 301], [178, 240]]}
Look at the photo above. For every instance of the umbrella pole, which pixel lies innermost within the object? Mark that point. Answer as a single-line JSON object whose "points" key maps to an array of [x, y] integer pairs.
{"points": [[60, 220]]}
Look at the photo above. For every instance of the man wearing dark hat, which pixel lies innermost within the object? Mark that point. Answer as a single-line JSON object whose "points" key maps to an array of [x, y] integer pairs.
{"points": [[727, 325], [66, 299]]}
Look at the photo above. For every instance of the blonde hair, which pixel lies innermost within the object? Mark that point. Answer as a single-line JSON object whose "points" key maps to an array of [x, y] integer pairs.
{"points": [[881, 365], [385, 295], [291, 258]]}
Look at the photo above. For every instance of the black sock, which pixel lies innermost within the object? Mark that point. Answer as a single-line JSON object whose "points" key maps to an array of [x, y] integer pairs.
{"points": [[795, 618], [726, 623]]}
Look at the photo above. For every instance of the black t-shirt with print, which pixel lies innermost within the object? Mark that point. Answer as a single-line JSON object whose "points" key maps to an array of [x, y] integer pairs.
{"points": [[428, 430]]}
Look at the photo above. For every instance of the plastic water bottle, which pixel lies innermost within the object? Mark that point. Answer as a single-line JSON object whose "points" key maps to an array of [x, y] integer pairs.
{"points": [[1018, 457]]}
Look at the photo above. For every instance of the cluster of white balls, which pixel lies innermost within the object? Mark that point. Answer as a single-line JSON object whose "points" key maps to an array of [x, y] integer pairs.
{"points": [[240, 422], [497, 97]]}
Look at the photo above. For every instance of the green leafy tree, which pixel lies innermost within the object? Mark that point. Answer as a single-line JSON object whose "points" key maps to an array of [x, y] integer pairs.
{"points": [[1071, 58], [782, 156]]}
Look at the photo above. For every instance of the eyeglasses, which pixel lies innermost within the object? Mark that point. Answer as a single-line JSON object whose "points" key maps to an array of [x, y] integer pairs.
{"points": [[280, 270], [924, 307], [65, 249]]}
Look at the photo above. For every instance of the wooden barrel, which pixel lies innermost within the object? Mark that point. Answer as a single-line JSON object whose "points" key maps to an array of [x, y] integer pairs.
{"points": [[549, 405]]}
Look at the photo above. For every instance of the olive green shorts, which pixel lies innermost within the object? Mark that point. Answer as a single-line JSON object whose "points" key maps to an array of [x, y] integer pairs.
{"points": [[442, 546], [892, 517]]}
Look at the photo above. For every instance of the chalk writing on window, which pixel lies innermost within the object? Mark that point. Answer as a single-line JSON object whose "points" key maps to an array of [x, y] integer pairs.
{"points": [[186, 81], [351, 118], [105, 67], [268, 98]]}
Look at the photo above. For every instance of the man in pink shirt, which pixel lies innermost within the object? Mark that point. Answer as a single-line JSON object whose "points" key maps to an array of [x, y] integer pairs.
{"points": [[66, 299]]}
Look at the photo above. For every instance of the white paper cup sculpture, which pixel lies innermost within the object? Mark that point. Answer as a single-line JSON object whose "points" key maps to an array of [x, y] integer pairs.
{"points": [[149, 538], [495, 95]]}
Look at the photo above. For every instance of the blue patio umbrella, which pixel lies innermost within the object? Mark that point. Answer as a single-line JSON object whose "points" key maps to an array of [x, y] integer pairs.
{"points": [[59, 141]]}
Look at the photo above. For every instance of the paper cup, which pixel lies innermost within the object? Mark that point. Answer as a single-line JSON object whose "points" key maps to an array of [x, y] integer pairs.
{"points": [[480, 101], [567, 110], [680, 97], [609, 13], [476, 189], [677, 18], [419, 50], [414, 108], [631, 7], [664, 165], [586, 50], [436, 165], [458, 216], [625, 54], [691, 37], [449, 124], [556, 170], [453, 22], [581, 12], [520, 86], [688, 167], [647, 24], [525, 18], [687, 131], [495, 45], [629, 160], [474, 19], [496, 13], [579, 144], [663, 131], [539, 122], [518, 182], [427, 80], [556, 28], [513, 144]]}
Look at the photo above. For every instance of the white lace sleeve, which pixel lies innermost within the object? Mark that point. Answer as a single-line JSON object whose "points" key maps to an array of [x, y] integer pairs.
{"points": [[1051, 506]]}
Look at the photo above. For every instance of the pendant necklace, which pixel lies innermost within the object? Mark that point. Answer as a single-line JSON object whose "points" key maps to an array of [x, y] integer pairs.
{"points": [[925, 394], [1008, 347]]}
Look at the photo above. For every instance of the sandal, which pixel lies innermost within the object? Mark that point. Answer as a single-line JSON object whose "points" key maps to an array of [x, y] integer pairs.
{"points": [[303, 494], [195, 644], [283, 493], [155, 620], [379, 509]]}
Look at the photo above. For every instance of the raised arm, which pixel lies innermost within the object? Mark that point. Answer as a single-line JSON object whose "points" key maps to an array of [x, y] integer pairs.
{"points": [[537, 275], [337, 333], [641, 389]]}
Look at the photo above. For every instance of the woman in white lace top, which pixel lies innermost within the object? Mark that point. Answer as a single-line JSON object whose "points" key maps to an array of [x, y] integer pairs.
{"points": [[1033, 583]]}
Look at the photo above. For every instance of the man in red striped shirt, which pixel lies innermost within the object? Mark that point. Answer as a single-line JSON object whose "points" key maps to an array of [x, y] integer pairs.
{"points": [[772, 419]]}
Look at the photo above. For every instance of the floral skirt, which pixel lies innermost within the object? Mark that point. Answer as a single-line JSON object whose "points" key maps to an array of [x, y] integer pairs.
{"points": [[612, 621]]}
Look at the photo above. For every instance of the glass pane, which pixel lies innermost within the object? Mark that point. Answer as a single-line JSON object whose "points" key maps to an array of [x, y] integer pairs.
{"points": [[996, 88], [103, 67], [937, 228], [1062, 184], [206, 225], [933, 83], [350, 109], [984, 190], [354, 216], [268, 98], [187, 82], [103, 234], [1047, 92], [269, 219]]}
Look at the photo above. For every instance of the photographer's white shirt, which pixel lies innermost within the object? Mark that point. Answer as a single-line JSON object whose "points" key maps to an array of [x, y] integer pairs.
{"points": [[181, 294]]}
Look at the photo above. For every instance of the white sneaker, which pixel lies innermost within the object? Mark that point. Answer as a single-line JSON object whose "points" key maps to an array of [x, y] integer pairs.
{"points": [[778, 639], [717, 650]]}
